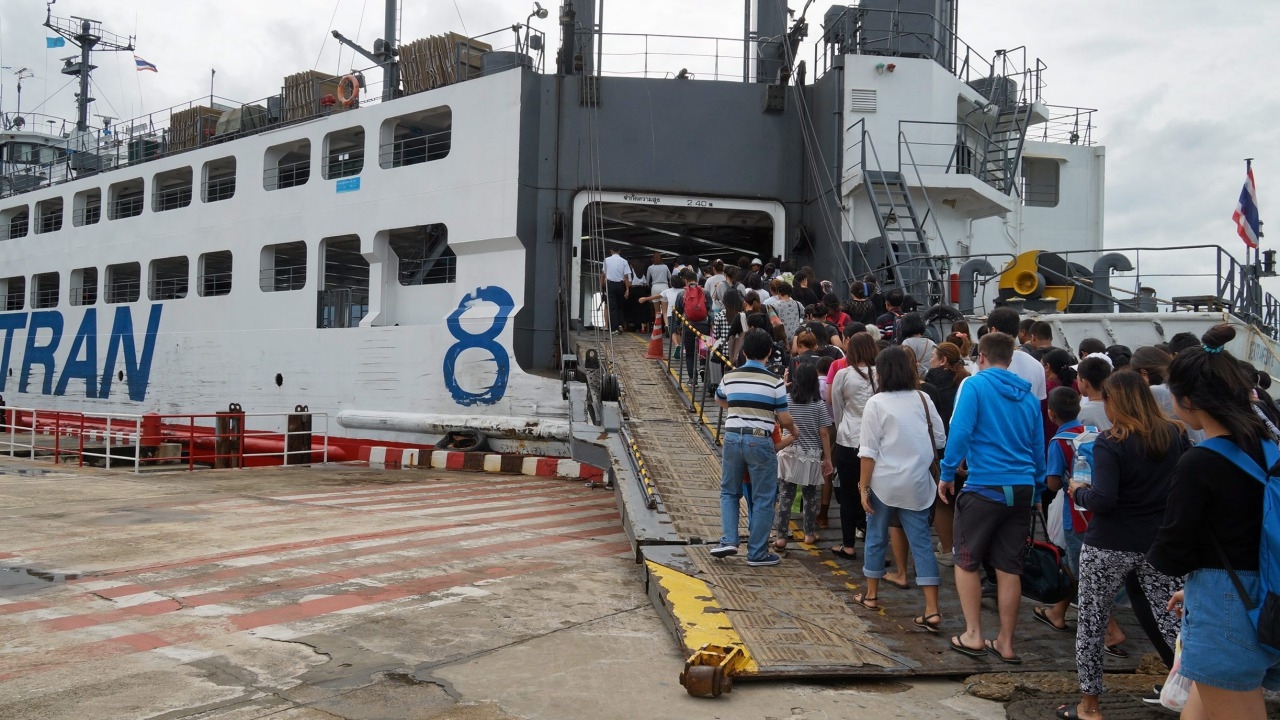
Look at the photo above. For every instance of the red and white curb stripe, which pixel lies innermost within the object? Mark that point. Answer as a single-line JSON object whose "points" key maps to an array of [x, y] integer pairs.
{"points": [[481, 462]]}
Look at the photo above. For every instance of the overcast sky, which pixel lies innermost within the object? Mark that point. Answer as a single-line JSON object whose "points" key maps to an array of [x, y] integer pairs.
{"points": [[1185, 89]]}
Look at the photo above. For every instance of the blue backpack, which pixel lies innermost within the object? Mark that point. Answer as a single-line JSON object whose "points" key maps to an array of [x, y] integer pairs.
{"points": [[1267, 616]]}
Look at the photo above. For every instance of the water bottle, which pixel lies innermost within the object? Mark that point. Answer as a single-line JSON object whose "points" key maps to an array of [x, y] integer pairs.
{"points": [[1080, 470]]}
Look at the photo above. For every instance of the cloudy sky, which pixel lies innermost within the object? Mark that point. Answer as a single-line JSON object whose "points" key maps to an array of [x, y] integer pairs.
{"points": [[1184, 88]]}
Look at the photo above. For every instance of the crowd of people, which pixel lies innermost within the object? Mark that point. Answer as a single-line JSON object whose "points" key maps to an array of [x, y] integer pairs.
{"points": [[970, 438]]}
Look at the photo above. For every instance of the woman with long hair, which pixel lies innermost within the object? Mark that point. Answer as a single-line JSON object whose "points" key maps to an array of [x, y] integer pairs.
{"points": [[730, 326], [1057, 373], [946, 371], [1152, 364], [897, 450], [849, 392], [1133, 465], [804, 463], [1212, 532]]}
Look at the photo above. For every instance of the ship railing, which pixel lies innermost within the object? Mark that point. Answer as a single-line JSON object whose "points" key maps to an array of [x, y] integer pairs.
{"points": [[945, 147], [684, 57], [283, 277], [696, 369], [415, 150], [1172, 279], [141, 442], [1066, 125], [286, 175], [899, 33]]}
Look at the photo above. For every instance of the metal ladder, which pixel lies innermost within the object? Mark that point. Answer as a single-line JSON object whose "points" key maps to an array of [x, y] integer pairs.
{"points": [[1006, 134], [909, 263]]}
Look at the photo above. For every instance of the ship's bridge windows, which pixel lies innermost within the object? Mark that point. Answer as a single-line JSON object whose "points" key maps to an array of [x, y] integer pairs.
{"points": [[416, 138], [124, 283], [86, 207], [424, 255], [125, 199], [84, 286], [14, 292], [1040, 182], [344, 301], [287, 165], [219, 179], [14, 222], [169, 278], [343, 153], [44, 290], [284, 267], [25, 153], [49, 215], [215, 273], [172, 189]]}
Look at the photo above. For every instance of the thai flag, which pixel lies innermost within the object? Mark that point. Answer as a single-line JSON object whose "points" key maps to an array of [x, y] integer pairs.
{"points": [[1246, 214], [143, 64]]}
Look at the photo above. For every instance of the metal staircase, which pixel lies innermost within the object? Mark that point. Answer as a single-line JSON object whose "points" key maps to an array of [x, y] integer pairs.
{"points": [[1005, 132], [908, 262]]}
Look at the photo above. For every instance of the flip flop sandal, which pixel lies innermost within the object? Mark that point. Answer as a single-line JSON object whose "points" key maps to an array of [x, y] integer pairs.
{"points": [[1115, 651], [1012, 660], [1043, 616], [862, 600], [923, 622], [900, 586], [975, 653], [844, 552], [1067, 712]]}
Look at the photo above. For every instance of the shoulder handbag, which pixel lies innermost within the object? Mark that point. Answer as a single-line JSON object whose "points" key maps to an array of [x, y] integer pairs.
{"points": [[1045, 575], [935, 468]]}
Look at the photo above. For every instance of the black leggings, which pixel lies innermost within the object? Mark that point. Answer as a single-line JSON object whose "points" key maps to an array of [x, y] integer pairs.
{"points": [[852, 517]]}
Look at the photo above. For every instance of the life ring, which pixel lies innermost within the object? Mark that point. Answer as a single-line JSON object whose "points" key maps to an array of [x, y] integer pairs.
{"points": [[348, 90]]}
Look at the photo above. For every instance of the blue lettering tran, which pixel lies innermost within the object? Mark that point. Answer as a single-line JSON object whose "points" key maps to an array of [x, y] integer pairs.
{"points": [[41, 354]]}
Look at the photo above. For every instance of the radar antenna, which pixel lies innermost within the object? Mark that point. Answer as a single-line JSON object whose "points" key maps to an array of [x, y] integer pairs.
{"points": [[89, 36]]}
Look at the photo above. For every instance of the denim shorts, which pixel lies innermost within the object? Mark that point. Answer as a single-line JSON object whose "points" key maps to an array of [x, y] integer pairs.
{"points": [[1219, 642]]}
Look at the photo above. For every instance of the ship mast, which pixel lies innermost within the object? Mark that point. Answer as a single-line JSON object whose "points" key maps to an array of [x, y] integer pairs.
{"points": [[87, 35], [384, 52]]}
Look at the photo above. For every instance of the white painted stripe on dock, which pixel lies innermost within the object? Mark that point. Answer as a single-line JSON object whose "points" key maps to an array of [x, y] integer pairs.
{"points": [[529, 466]]}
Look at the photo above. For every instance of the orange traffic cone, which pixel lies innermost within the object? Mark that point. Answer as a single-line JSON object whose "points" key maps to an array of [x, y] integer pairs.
{"points": [[655, 341]]}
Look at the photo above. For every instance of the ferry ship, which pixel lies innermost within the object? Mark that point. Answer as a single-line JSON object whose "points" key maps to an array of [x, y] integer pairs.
{"points": [[423, 260]]}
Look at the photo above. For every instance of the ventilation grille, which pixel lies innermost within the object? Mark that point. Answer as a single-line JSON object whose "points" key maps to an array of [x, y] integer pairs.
{"points": [[862, 101]]}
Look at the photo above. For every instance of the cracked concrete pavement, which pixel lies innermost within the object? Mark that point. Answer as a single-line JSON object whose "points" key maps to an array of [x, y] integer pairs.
{"points": [[300, 594]]}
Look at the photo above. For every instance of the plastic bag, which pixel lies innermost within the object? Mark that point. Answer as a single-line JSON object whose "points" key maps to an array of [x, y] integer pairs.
{"points": [[1057, 535], [1177, 688]]}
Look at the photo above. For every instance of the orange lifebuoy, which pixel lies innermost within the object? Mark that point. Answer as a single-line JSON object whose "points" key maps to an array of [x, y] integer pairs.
{"points": [[348, 90]]}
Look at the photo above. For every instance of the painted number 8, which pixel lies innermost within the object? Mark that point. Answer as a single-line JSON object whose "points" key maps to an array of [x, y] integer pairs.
{"points": [[486, 340]]}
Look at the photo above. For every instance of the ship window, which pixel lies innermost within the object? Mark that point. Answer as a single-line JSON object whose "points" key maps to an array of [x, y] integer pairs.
{"points": [[49, 215], [14, 222], [416, 138], [172, 189], [219, 179], [124, 282], [21, 153], [344, 301], [424, 255], [44, 290], [215, 273], [343, 153], [1040, 182], [14, 292], [284, 267], [125, 199], [86, 207], [169, 278], [84, 286], [287, 165]]}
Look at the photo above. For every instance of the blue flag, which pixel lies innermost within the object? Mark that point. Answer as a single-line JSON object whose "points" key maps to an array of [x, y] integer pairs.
{"points": [[54, 42]]}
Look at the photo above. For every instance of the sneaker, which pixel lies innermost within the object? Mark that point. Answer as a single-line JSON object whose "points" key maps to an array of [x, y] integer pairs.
{"points": [[721, 551], [990, 589], [1153, 697], [945, 559], [769, 559], [860, 534]]}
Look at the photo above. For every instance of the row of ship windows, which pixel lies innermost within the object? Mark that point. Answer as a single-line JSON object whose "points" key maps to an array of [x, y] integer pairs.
{"points": [[422, 256], [406, 140]]}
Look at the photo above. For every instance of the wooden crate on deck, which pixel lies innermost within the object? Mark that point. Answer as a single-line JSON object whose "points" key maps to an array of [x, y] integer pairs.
{"points": [[303, 92], [440, 60], [192, 127]]}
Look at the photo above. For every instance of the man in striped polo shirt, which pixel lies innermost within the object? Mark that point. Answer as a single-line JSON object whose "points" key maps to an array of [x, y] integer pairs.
{"points": [[755, 399]]}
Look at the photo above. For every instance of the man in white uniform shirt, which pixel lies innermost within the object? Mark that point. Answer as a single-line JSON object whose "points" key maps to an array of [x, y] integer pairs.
{"points": [[615, 282]]}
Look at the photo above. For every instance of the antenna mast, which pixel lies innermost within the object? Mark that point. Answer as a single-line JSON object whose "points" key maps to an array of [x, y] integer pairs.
{"points": [[89, 36]]}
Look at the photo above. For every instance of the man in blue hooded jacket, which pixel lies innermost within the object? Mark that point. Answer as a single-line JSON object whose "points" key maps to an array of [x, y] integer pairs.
{"points": [[996, 427]]}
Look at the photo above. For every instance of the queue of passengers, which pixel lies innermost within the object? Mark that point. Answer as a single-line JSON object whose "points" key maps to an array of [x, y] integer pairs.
{"points": [[967, 438]]}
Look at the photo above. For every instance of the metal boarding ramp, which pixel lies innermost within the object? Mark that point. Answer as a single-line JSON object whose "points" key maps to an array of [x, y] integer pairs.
{"points": [[795, 620]]}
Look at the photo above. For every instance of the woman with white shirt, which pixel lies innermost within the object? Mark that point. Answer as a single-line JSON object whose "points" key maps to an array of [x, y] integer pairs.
{"points": [[852, 386], [896, 450]]}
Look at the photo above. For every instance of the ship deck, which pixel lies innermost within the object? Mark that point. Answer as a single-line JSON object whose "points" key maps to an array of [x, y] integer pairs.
{"points": [[795, 620]]}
